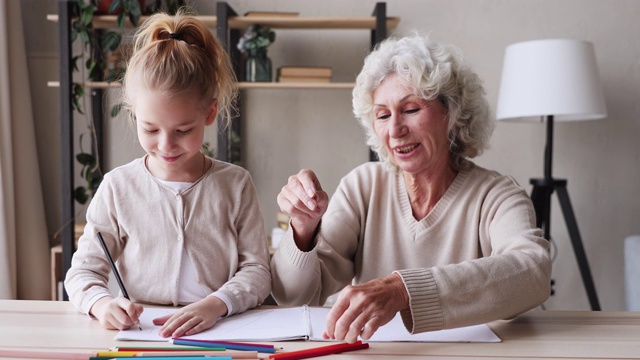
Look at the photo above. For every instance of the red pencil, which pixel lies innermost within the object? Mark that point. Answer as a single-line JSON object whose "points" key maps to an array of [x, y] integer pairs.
{"points": [[319, 351]]}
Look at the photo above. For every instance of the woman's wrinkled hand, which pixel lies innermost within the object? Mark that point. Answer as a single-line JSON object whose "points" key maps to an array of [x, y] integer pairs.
{"points": [[303, 199], [361, 309]]}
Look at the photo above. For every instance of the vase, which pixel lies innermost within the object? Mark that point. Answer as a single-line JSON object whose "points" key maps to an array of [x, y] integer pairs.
{"points": [[258, 67]]}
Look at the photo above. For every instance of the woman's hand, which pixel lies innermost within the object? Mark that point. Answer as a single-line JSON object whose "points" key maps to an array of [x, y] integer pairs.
{"points": [[193, 318], [303, 199], [361, 309], [116, 313]]}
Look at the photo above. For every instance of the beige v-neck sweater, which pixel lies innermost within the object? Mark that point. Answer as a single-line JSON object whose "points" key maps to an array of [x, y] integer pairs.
{"points": [[476, 257], [146, 226]]}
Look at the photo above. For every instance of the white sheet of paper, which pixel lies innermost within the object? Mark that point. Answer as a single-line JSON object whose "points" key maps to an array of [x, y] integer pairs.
{"points": [[281, 324], [258, 325]]}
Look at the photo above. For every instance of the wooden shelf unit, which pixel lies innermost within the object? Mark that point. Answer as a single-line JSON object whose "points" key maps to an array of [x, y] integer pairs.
{"points": [[241, 85], [274, 22], [56, 262], [228, 26]]}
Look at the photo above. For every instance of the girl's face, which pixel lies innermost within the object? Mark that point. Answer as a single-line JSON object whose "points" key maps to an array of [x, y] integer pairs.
{"points": [[413, 130], [171, 132]]}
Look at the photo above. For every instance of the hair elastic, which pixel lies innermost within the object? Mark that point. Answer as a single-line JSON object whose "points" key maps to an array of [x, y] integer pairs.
{"points": [[175, 36]]}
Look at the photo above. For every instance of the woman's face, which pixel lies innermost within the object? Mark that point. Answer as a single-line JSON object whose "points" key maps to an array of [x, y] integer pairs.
{"points": [[413, 130]]}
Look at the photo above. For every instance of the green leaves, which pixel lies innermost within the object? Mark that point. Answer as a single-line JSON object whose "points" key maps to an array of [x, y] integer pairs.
{"points": [[257, 38], [80, 195], [207, 150], [129, 9], [77, 92], [115, 5], [115, 109], [110, 41], [86, 14], [90, 173], [95, 66], [134, 11]]}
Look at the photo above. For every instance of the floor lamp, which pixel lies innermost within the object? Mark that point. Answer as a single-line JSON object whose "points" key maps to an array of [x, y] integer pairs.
{"points": [[553, 80]]}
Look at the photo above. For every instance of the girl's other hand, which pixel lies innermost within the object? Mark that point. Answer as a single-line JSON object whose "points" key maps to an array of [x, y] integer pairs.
{"points": [[193, 318]]}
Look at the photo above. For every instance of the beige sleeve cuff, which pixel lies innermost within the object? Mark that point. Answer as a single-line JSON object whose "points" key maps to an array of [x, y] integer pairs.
{"points": [[300, 259], [425, 311]]}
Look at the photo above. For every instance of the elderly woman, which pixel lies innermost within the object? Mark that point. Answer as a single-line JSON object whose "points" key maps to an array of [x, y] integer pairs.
{"points": [[424, 232]]}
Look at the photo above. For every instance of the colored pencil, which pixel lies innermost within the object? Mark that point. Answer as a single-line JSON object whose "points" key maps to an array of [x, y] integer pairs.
{"points": [[117, 353], [179, 357], [166, 348], [166, 357], [223, 342], [236, 354], [235, 346], [319, 351], [36, 354], [182, 358]]}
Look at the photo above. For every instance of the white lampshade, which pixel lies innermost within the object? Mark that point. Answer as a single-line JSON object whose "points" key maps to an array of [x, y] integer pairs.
{"points": [[556, 77]]}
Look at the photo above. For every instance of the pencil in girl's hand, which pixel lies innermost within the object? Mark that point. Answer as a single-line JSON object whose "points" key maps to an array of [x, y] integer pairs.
{"points": [[115, 270]]}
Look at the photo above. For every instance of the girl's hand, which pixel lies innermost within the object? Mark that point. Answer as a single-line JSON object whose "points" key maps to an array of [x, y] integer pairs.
{"points": [[303, 199], [118, 313], [193, 318]]}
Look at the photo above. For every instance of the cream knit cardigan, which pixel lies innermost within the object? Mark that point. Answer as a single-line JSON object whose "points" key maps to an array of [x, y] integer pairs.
{"points": [[146, 226]]}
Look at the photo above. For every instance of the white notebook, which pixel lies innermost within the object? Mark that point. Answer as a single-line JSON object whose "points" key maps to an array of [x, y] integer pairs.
{"points": [[297, 323]]}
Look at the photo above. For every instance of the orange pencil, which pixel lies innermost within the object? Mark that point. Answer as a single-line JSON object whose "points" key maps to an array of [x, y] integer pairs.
{"points": [[319, 351]]}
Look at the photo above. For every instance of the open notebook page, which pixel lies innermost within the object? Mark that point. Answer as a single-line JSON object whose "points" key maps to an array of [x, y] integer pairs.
{"points": [[281, 324]]}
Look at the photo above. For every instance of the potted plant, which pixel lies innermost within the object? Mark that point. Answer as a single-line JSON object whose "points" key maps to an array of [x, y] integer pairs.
{"points": [[254, 44]]}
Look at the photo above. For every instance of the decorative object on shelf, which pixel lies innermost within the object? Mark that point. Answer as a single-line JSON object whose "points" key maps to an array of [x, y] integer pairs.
{"points": [[254, 44], [258, 67], [306, 74], [553, 80], [275, 14]]}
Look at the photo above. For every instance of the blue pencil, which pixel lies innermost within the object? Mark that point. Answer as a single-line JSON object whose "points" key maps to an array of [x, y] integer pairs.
{"points": [[168, 357], [212, 344]]}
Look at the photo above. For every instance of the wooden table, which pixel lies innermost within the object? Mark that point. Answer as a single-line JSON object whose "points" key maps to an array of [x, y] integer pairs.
{"points": [[57, 326]]}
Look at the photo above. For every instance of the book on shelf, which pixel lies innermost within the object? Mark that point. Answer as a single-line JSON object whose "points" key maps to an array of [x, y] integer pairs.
{"points": [[271, 13], [313, 71], [304, 79]]}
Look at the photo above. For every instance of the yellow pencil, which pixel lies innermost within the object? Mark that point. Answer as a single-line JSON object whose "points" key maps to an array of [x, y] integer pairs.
{"points": [[117, 353]]}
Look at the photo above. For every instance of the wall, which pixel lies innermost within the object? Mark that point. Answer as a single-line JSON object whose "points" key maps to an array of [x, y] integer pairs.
{"points": [[286, 130]]}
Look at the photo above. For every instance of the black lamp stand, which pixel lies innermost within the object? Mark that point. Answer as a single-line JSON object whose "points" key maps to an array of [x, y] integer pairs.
{"points": [[541, 198]]}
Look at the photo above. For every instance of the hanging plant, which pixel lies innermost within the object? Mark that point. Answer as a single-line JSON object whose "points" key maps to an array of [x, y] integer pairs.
{"points": [[95, 46]]}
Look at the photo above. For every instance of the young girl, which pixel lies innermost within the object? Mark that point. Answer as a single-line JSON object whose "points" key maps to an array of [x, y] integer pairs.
{"points": [[185, 229]]}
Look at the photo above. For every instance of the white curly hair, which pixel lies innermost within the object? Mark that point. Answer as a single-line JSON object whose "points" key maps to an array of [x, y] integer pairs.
{"points": [[434, 71]]}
